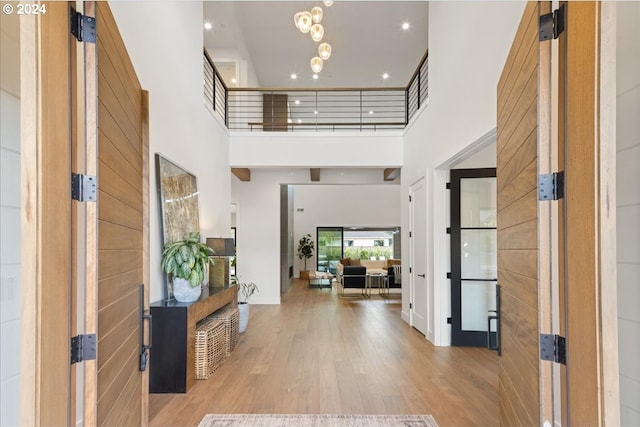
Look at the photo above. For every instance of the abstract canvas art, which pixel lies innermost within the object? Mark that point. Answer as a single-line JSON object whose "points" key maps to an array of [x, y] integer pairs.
{"points": [[178, 202]]}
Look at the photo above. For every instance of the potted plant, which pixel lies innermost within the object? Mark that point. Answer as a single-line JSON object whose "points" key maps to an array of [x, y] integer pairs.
{"points": [[186, 261], [305, 250], [245, 290]]}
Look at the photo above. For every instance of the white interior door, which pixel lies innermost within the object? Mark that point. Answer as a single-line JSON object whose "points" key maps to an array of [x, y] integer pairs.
{"points": [[419, 295]]}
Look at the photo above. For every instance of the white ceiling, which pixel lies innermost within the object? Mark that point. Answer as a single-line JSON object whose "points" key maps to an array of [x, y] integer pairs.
{"points": [[366, 37]]}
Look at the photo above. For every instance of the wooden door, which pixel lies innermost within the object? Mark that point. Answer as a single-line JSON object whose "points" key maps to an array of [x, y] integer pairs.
{"points": [[586, 147], [518, 228], [585, 230], [46, 217], [122, 391]]}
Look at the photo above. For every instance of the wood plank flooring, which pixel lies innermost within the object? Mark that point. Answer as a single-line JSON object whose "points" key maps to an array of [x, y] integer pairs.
{"points": [[316, 353]]}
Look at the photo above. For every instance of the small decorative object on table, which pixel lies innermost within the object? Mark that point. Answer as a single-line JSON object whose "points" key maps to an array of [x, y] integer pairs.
{"points": [[186, 261], [305, 250], [245, 290]]}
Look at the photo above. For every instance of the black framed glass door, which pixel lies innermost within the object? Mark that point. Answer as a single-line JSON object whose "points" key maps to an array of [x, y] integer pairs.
{"points": [[330, 248], [474, 257]]}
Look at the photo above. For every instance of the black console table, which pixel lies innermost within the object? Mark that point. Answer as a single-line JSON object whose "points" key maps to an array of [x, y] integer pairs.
{"points": [[172, 356]]}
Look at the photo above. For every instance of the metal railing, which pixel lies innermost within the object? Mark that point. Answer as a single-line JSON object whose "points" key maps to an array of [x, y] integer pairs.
{"points": [[292, 110], [418, 87]]}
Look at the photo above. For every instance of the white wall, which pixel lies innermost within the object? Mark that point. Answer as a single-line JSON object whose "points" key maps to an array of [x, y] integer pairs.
{"points": [[258, 230], [628, 211], [313, 149], [181, 127], [465, 63], [342, 206], [10, 220]]}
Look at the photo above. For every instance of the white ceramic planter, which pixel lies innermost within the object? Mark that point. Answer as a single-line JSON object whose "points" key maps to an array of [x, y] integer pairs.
{"points": [[243, 311], [184, 292]]}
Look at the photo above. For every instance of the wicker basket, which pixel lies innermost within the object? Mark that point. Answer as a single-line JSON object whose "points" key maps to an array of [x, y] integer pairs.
{"points": [[210, 347], [231, 319]]}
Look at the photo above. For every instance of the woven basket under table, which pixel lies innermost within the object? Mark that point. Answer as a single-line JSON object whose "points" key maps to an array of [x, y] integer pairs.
{"points": [[230, 316], [210, 347]]}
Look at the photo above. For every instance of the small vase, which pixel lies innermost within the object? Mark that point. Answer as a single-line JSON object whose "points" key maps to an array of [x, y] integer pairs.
{"points": [[243, 311], [184, 292]]}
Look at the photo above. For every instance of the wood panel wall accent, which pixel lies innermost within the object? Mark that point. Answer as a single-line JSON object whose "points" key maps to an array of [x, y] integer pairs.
{"points": [[517, 226], [275, 112], [122, 217], [243, 174]]}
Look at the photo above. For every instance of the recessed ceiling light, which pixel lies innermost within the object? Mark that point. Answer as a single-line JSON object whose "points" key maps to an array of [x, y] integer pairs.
{"points": [[289, 121], [315, 77], [299, 121], [406, 25], [371, 112], [208, 25], [234, 80], [294, 76], [385, 76], [297, 102], [315, 112]]}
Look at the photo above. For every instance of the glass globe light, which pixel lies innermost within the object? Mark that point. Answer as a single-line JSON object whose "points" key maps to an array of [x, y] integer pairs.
{"points": [[316, 64], [324, 51], [316, 14], [303, 21], [327, 3], [317, 32]]}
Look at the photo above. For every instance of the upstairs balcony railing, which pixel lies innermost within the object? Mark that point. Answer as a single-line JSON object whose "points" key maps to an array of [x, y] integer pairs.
{"points": [[292, 110]]}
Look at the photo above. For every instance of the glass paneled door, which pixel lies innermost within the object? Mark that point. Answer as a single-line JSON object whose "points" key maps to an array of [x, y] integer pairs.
{"points": [[474, 258], [329, 248]]}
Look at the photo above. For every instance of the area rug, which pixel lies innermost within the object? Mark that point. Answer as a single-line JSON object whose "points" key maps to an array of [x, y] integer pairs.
{"points": [[274, 420]]}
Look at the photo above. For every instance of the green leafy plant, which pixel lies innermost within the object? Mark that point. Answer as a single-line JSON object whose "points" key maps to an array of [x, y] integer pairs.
{"points": [[305, 248], [187, 259], [245, 290]]}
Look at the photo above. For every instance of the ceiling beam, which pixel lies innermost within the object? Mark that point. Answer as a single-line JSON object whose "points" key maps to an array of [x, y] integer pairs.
{"points": [[391, 173], [243, 174], [315, 174]]}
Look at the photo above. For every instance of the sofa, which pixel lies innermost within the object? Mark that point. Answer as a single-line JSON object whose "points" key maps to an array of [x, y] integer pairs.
{"points": [[372, 266]]}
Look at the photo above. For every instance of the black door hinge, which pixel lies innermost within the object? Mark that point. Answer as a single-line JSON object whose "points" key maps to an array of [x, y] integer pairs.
{"points": [[553, 348], [449, 320], [448, 186], [551, 186], [410, 234], [84, 188], [410, 269], [409, 199], [83, 347], [551, 25], [448, 230], [83, 27], [410, 305], [449, 275]]}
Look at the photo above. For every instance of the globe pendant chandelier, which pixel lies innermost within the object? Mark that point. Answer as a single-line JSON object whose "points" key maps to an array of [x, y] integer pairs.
{"points": [[324, 51], [310, 22], [316, 64]]}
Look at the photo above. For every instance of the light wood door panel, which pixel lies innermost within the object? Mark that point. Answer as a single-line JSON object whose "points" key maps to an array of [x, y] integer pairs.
{"points": [[517, 226], [45, 235], [121, 219]]}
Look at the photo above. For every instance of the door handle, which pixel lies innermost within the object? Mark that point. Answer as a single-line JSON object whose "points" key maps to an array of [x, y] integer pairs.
{"points": [[144, 348], [422, 275]]}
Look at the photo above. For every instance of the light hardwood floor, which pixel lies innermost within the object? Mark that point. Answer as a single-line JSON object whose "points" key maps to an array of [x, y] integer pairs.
{"points": [[317, 353]]}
